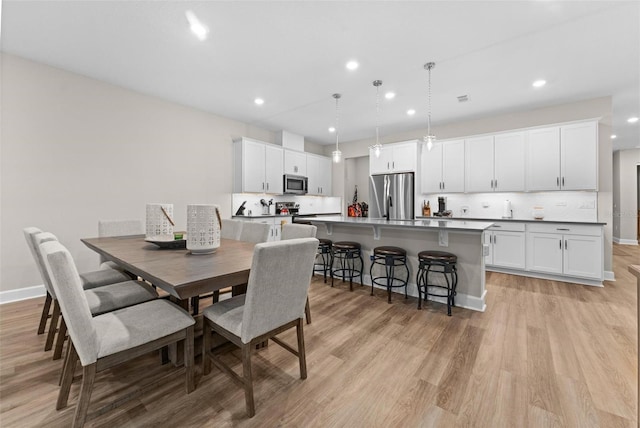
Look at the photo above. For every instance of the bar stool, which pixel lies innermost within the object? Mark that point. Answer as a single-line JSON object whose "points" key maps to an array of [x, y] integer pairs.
{"points": [[324, 251], [437, 262], [346, 252], [390, 258]]}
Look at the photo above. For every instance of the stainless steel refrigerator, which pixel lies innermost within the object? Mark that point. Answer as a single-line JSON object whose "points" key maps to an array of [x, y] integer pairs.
{"points": [[391, 196]]}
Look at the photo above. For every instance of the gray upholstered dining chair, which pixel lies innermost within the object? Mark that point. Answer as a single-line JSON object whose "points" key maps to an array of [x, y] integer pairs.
{"points": [[231, 229], [274, 302], [293, 231], [107, 340], [108, 228], [104, 298], [255, 232]]}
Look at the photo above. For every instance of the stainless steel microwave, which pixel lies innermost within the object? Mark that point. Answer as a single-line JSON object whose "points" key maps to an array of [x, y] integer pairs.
{"points": [[295, 184]]}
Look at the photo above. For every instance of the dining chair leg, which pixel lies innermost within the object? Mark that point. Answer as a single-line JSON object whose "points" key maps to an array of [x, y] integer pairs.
{"points": [[88, 377], [206, 348], [301, 351], [53, 326], [248, 378], [188, 360], [307, 311], [62, 335], [195, 305], [64, 363], [68, 371], [45, 314]]}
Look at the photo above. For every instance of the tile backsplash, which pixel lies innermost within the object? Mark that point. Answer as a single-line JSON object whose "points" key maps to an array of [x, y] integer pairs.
{"points": [[308, 204], [570, 206]]}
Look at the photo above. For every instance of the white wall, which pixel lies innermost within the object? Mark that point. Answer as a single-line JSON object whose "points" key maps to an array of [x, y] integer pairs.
{"points": [[356, 174], [589, 109], [75, 150], [625, 195]]}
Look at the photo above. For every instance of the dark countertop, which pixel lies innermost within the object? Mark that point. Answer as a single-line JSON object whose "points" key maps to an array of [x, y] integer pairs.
{"points": [[516, 220]]}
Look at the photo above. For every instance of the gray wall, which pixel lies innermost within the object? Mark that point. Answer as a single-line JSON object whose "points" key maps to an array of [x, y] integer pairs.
{"points": [[589, 109], [625, 195], [75, 150]]}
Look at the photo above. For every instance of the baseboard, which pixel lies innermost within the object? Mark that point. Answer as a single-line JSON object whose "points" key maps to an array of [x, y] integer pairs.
{"points": [[625, 241], [609, 276], [22, 294], [552, 277]]}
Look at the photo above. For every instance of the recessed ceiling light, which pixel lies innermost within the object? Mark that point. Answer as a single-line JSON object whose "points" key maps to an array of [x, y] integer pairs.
{"points": [[632, 119], [197, 27], [332, 129], [411, 112], [614, 136], [352, 65], [539, 83], [390, 95], [259, 101]]}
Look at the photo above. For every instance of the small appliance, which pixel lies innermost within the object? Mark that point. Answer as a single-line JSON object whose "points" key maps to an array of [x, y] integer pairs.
{"points": [[295, 184], [291, 208], [442, 208]]}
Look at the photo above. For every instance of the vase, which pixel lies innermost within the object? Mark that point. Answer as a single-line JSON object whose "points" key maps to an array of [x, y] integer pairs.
{"points": [[203, 228], [159, 222]]}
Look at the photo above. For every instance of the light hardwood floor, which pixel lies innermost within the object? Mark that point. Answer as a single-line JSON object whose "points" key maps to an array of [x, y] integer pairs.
{"points": [[544, 353]]}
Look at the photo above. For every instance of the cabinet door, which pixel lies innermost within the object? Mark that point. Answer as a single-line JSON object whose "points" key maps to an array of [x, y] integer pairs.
{"points": [[273, 167], [478, 155], [324, 171], [508, 249], [453, 166], [405, 157], [381, 164], [544, 252], [253, 167], [543, 159], [295, 163], [313, 174], [579, 156], [431, 169], [509, 162], [583, 256]]}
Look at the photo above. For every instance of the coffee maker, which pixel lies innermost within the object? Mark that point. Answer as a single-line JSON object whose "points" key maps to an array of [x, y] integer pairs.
{"points": [[442, 207]]}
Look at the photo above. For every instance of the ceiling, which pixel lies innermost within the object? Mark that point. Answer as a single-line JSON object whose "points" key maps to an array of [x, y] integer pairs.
{"points": [[293, 55]]}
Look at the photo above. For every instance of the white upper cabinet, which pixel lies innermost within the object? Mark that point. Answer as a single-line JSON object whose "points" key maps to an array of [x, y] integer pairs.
{"points": [[397, 157], [442, 168], [563, 157], [319, 173], [495, 163], [579, 156], [258, 167], [295, 163]]}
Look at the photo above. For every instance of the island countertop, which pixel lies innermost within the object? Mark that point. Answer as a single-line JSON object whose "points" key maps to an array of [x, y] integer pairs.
{"points": [[422, 224]]}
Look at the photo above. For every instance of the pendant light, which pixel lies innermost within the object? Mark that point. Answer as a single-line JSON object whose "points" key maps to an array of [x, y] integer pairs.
{"points": [[377, 147], [337, 154], [429, 139]]}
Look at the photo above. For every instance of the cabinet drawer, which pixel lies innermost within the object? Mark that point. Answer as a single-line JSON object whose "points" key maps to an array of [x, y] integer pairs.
{"points": [[566, 229], [508, 226]]}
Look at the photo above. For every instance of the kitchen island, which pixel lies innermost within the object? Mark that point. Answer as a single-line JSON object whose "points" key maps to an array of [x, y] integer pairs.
{"points": [[462, 238]]}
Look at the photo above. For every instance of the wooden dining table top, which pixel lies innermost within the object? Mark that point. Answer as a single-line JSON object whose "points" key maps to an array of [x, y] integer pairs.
{"points": [[177, 271]]}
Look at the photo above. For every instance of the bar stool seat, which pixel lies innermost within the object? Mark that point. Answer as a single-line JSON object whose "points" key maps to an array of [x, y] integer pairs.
{"points": [[324, 251], [437, 262], [346, 253], [390, 257]]}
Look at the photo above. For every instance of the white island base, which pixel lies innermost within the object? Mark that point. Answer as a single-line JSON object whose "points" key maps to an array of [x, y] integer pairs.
{"points": [[464, 239]]}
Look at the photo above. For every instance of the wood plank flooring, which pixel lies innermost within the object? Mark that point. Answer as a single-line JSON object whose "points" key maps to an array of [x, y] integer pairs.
{"points": [[545, 353]]}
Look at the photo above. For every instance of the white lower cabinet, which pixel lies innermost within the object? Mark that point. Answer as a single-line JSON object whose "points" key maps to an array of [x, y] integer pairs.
{"points": [[506, 244], [275, 223], [566, 250]]}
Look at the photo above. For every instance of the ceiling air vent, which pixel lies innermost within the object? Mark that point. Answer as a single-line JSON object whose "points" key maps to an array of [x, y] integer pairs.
{"points": [[463, 98]]}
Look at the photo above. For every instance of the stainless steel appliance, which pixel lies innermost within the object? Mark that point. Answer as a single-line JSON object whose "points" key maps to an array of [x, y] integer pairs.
{"points": [[391, 196], [295, 184]]}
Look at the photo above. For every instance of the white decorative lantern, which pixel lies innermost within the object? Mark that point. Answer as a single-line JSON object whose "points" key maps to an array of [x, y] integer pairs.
{"points": [[159, 226], [203, 228]]}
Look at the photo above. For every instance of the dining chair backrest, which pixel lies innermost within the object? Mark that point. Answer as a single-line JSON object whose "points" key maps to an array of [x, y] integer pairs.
{"points": [[255, 232], [278, 285], [34, 237], [231, 229], [120, 228], [293, 231], [72, 299]]}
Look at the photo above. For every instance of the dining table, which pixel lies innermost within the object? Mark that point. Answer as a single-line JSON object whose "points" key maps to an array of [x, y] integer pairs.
{"points": [[177, 271]]}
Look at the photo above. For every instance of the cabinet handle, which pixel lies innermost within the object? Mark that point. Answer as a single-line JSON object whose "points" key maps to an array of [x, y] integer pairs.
{"points": [[560, 242], [495, 239], [559, 228], [263, 185], [495, 184], [565, 244], [562, 181], [443, 185], [496, 225], [393, 164], [558, 181], [387, 165], [267, 186], [492, 184]]}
